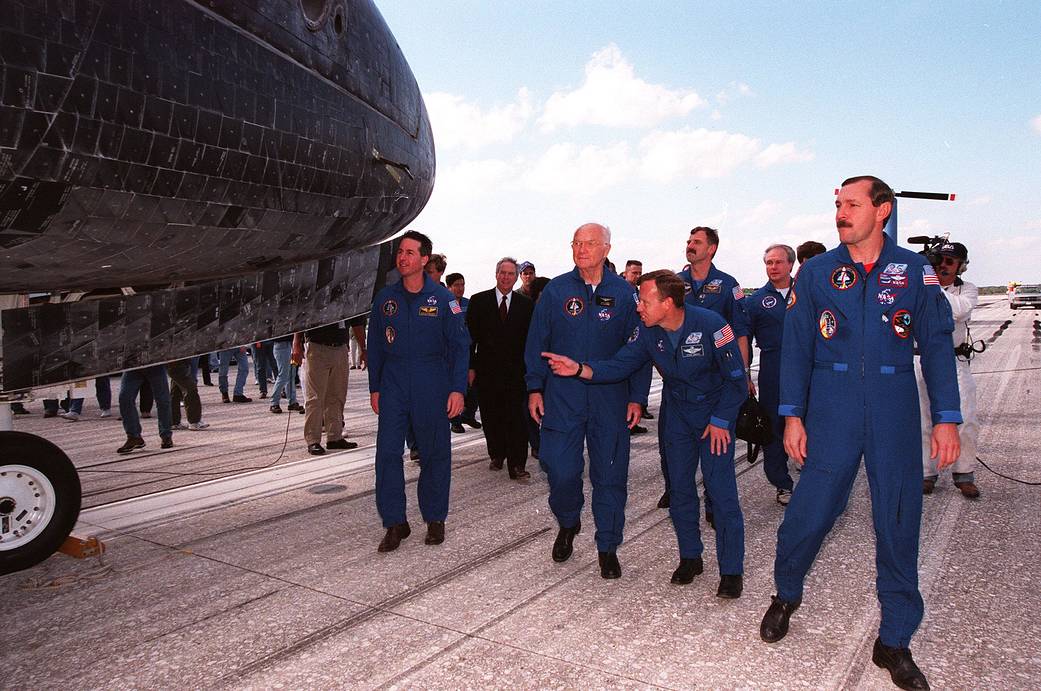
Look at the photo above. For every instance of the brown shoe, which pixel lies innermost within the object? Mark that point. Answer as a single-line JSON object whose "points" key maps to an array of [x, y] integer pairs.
{"points": [[496, 464], [968, 489], [928, 484], [435, 533], [395, 534], [519, 474]]}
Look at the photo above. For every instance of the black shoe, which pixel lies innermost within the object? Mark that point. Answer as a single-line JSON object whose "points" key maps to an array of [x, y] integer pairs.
{"points": [[395, 534], [131, 444], [275, 409], [969, 490], [224, 397], [341, 444], [663, 503], [413, 454], [710, 519], [609, 566], [435, 533], [647, 415], [637, 429], [473, 423], [294, 406], [457, 428], [562, 546], [775, 622], [50, 413], [730, 587], [519, 474], [239, 398], [263, 394], [687, 570], [18, 409], [535, 454], [902, 669], [315, 449], [496, 464]]}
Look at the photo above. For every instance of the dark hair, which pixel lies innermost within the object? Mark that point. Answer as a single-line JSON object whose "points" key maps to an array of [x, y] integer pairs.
{"points": [[632, 262], [437, 261], [880, 191], [810, 248], [452, 278], [669, 285], [426, 248], [711, 234], [537, 286]]}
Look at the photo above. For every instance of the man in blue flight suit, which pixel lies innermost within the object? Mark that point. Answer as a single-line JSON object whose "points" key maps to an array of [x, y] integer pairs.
{"points": [[418, 356], [587, 313], [855, 315], [707, 287], [696, 353], [766, 310]]}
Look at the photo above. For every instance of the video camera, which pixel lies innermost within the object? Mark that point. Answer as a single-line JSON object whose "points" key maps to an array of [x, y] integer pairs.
{"points": [[932, 243]]}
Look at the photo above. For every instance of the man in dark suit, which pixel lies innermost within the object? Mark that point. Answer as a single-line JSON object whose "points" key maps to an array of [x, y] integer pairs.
{"points": [[498, 320]]}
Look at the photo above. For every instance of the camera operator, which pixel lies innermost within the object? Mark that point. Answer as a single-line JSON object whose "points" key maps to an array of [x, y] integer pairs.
{"points": [[950, 260]]}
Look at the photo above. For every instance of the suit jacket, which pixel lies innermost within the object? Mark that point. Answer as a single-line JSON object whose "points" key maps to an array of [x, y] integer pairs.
{"points": [[497, 348]]}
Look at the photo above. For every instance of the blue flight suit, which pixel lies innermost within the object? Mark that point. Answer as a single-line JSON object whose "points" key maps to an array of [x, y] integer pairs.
{"points": [[573, 320], [418, 353], [704, 379], [721, 293], [766, 309], [847, 368]]}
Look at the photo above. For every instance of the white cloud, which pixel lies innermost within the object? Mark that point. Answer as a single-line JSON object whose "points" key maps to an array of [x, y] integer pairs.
{"points": [[567, 169], [458, 123], [982, 200], [612, 95], [781, 153], [699, 153], [815, 226], [1036, 124], [762, 213], [468, 180], [734, 90]]}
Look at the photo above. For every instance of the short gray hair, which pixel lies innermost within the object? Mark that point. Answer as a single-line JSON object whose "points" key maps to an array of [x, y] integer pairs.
{"points": [[506, 259], [788, 251]]}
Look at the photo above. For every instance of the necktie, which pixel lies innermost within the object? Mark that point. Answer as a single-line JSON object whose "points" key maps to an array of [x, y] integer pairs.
{"points": [[502, 309]]}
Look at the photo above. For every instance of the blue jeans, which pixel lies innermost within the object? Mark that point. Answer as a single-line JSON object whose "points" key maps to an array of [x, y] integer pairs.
{"points": [[241, 374], [285, 384], [103, 391], [263, 365], [130, 386]]}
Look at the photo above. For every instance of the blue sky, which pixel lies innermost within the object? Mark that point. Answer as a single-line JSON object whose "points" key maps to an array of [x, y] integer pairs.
{"points": [[656, 117]]}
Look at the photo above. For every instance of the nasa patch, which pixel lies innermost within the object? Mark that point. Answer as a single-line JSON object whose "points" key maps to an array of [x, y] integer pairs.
{"points": [[432, 300], [902, 323], [686, 288], [634, 335], [574, 306], [844, 277], [693, 337], [828, 325], [604, 315], [661, 345], [769, 301], [886, 296], [390, 334], [390, 308]]}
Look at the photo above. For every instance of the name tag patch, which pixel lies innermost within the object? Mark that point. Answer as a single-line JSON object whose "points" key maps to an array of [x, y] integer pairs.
{"points": [[693, 350], [892, 280], [604, 301], [427, 311]]}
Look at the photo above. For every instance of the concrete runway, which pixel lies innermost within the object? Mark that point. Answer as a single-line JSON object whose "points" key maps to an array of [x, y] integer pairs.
{"points": [[269, 576]]}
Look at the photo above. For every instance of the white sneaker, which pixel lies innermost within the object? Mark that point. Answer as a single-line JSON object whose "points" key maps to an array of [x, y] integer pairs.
{"points": [[196, 426], [71, 417], [179, 425], [784, 496], [105, 413]]}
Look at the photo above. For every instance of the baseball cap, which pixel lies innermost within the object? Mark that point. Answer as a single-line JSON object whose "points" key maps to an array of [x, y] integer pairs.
{"points": [[525, 265]]}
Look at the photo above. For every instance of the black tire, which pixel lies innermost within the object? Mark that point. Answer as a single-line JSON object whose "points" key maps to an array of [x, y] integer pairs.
{"points": [[50, 462]]}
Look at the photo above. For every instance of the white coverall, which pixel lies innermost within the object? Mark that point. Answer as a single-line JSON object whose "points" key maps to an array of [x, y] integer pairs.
{"points": [[963, 299]]}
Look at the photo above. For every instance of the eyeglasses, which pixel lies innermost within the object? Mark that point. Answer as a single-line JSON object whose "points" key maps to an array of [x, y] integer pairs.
{"points": [[585, 243], [949, 261]]}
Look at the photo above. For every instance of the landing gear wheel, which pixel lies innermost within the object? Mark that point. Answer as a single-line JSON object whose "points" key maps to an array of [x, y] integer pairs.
{"points": [[39, 500]]}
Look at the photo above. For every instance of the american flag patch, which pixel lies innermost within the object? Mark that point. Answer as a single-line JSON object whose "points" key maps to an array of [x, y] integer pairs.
{"points": [[929, 276], [723, 336], [738, 293], [454, 306]]}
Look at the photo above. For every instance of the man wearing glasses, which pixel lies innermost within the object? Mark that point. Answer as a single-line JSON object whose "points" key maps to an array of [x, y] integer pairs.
{"points": [[950, 261], [585, 314]]}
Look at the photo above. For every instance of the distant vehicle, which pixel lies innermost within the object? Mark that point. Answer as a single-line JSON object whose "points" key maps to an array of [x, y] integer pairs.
{"points": [[1025, 296]]}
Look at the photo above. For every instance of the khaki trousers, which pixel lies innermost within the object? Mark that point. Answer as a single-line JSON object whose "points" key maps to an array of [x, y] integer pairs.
{"points": [[325, 392]]}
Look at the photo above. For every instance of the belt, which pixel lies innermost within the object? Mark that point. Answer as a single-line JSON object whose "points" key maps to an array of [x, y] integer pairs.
{"points": [[327, 345]]}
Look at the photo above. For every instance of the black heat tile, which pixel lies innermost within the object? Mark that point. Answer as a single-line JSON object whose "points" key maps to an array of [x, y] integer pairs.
{"points": [[95, 61], [158, 113], [208, 131], [136, 145], [61, 132], [21, 51], [230, 133], [252, 139], [19, 87], [184, 120], [120, 64], [105, 101], [50, 92], [129, 107], [111, 140], [164, 151], [10, 126], [166, 183]]}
